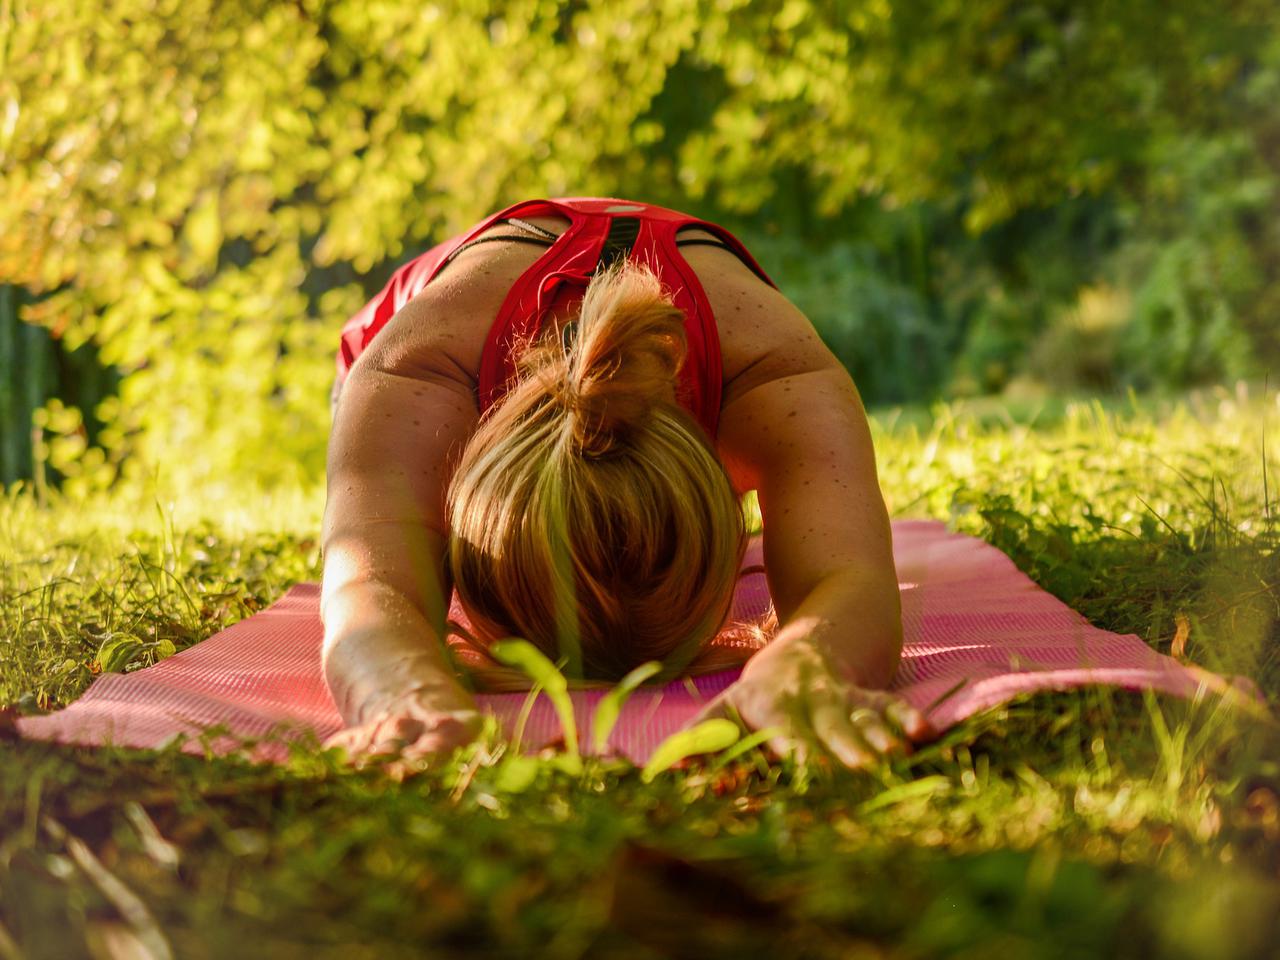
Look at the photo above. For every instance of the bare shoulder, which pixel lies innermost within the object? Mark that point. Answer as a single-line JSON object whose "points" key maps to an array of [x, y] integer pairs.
{"points": [[784, 390], [440, 333], [763, 335]]}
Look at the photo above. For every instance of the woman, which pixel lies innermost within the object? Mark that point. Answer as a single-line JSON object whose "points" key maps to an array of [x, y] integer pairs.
{"points": [[556, 414]]}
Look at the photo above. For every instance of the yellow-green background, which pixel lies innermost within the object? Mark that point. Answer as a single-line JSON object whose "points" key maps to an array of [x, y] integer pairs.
{"points": [[967, 196]]}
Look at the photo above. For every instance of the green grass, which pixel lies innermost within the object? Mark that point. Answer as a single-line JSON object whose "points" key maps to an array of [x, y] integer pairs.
{"points": [[1085, 824]]}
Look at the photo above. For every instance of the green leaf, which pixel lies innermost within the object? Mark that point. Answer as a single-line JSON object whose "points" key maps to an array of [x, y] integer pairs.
{"points": [[203, 229], [517, 736], [569, 763], [745, 744], [524, 656], [924, 787], [610, 705], [707, 737], [116, 653], [164, 649], [517, 773]]}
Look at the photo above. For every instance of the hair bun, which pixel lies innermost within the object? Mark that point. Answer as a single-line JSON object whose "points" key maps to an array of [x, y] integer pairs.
{"points": [[623, 358]]}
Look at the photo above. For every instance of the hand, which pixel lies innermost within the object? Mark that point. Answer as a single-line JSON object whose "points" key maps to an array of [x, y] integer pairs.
{"points": [[412, 726], [793, 688]]}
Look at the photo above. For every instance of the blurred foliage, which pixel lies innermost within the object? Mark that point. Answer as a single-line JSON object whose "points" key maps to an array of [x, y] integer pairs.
{"points": [[957, 192], [45, 392]]}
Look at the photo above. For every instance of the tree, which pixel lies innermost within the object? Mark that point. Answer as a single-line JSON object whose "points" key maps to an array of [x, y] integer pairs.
{"points": [[208, 189]]}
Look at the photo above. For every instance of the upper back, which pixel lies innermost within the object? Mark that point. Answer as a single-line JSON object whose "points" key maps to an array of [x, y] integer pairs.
{"points": [[442, 332]]}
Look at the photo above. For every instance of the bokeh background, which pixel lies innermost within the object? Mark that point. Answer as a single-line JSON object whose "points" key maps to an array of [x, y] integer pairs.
{"points": [[967, 197]]}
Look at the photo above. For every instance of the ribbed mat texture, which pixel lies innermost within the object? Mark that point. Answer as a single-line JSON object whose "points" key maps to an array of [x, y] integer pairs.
{"points": [[970, 618]]}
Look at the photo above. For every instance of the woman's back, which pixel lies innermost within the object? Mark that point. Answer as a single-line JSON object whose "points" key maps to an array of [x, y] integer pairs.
{"points": [[741, 328]]}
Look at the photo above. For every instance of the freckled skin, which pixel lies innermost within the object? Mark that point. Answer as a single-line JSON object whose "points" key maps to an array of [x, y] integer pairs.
{"points": [[792, 427]]}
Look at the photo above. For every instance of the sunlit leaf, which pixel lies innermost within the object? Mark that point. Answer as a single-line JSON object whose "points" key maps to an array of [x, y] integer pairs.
{"points": [[203, 230], [749, 742], [524, 656], [611, 704], [924, 787], [517, 773], [117, 653], [706, 737]]}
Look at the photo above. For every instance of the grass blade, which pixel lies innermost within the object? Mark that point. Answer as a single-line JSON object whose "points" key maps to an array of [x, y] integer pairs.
{"points": [[709, 736], [746, 743], [611, 704], [524, 656]]}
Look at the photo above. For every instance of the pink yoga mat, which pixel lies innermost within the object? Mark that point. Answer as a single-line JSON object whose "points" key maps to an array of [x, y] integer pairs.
{"points": [[970, 617]]}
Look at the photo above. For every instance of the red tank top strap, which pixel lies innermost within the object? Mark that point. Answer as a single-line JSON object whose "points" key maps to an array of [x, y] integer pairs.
{"points": [[556, 281], [409, 279]]}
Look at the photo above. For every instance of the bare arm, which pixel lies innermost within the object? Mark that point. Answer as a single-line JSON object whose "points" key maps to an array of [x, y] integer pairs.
{"points": [[827, 543], [402, 416], [406, 411], [799, 436]]}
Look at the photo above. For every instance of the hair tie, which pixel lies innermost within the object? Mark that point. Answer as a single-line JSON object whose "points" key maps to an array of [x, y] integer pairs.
{"points": [[564, 396]]}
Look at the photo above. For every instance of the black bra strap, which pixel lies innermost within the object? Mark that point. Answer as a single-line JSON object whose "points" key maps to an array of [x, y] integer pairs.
{"points": [[720, 243], [518, 238], [623, 232], [705, 242]]}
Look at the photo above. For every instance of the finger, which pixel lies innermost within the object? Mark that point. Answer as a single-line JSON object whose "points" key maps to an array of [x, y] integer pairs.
{"points": [[876, 732], [400, 770], [782, 747], [717, 708], [445, 733], [786, 744], [837, 733], [791, 740], [401, 726], [389, 735], [725, 706], [384, 744], [360, 738], [381, 750], [361, 755], [434, 745], [340, 739], [914, 723], [898, 712], [464, 725], [425, 752], [354, 741]]}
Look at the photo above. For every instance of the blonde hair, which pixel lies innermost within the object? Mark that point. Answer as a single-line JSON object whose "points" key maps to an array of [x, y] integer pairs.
{"points": [[589, 513]]}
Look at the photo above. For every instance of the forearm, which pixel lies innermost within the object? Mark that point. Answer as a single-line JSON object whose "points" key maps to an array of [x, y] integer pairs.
{"points": [[854, 620], [377, 645]]}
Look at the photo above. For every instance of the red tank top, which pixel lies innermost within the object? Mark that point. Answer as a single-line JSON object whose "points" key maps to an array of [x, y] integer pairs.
{"points": [[599, 227]]}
